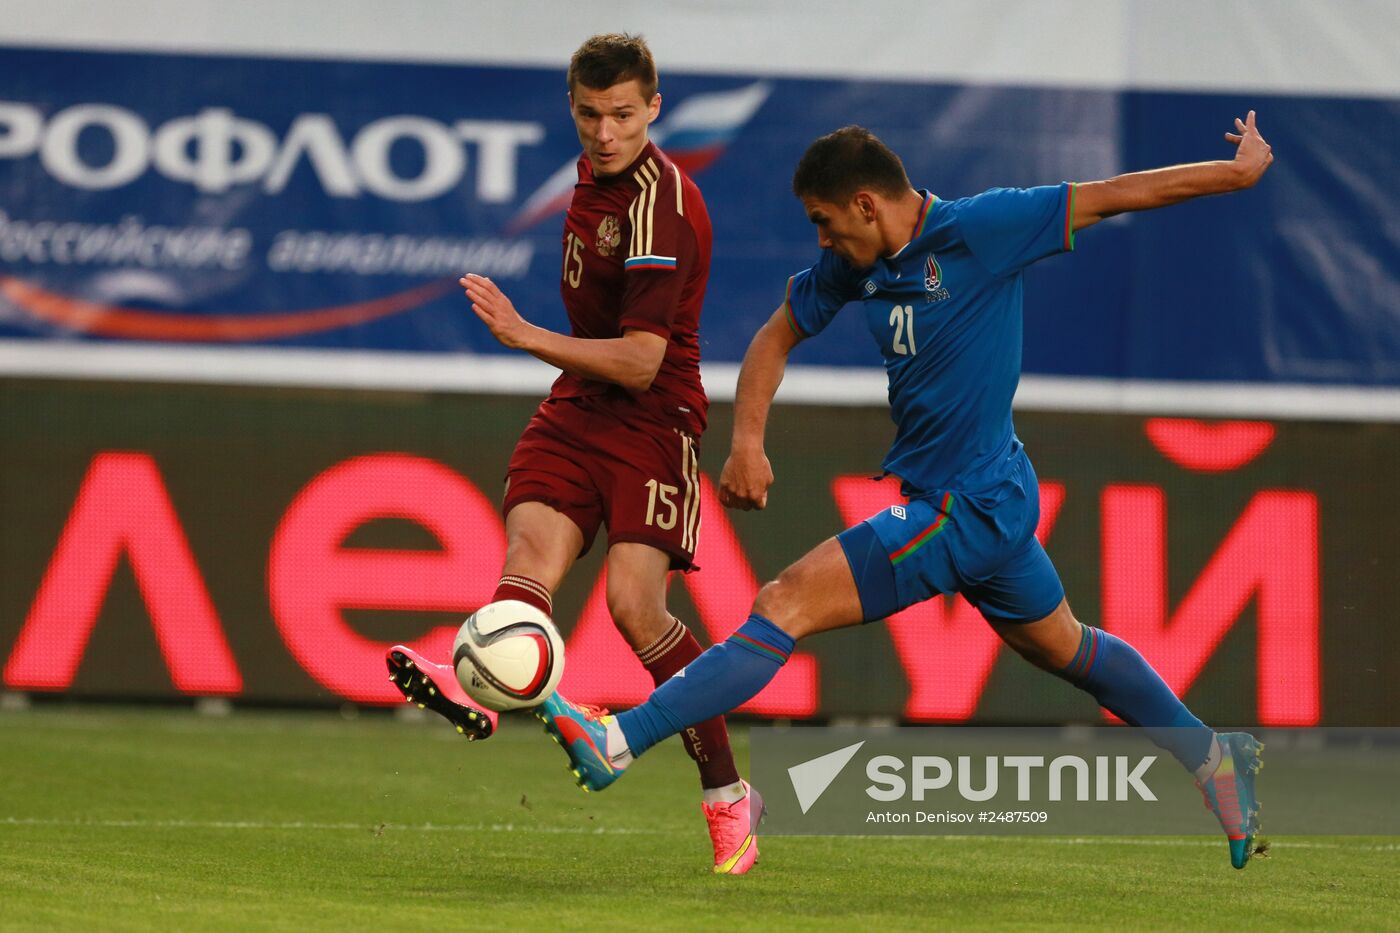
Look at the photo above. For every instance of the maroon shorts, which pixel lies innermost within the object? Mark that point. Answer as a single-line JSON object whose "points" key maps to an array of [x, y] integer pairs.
{"points": [[587, 459]]}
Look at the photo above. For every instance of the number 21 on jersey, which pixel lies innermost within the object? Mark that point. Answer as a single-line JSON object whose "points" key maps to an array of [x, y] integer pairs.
{"points": [[902, 320]]}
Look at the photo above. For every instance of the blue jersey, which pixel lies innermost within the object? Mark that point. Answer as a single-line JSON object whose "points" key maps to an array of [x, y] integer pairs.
{"points": [[946, 313]]}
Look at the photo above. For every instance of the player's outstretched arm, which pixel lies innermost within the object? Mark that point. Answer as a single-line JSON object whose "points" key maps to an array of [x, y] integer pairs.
{"points": [[1143, 191], [630, 361], [747, 475]]}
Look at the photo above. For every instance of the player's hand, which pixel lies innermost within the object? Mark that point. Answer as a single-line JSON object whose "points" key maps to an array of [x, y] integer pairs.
{"points": [[744, 481], [1252, 156], [496, 311]]}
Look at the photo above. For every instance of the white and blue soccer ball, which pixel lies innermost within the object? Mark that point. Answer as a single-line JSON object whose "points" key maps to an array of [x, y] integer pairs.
{"points": [[508, 655]]}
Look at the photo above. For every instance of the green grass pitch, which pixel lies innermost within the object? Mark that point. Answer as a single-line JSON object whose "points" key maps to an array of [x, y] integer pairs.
{"points": [[162, 819]]}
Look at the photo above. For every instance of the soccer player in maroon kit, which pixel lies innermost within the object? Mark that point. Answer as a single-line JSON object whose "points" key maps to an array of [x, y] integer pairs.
{"points": [[615, 443]]}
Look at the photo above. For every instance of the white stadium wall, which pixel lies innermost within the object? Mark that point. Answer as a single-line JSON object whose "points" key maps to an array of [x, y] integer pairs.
{"points": [[1249, 45]]}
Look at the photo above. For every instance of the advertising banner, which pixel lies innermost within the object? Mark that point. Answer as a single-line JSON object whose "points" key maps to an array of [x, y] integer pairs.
{"points": [[180, 199], [269, 544]]}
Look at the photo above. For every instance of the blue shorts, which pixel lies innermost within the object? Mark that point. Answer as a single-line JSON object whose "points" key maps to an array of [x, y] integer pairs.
{"points": [[980, 545]]}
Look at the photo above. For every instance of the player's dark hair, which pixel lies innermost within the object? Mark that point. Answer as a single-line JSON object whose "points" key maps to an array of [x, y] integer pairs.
{"points": [[851, 159], [612, 58]]}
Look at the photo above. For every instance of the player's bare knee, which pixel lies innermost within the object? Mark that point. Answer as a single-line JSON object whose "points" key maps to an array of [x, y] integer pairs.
{"points": [[778, 601]]}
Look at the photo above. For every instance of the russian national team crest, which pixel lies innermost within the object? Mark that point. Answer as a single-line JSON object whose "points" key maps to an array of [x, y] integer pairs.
{"points": [[609, 236], [933, 281]]}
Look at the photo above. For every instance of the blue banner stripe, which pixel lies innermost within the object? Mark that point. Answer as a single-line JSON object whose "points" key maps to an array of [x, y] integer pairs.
{"points": [[152, 196]]}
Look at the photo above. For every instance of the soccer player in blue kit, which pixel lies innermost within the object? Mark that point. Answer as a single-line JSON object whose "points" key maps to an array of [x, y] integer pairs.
{"points": [[940, 285]]}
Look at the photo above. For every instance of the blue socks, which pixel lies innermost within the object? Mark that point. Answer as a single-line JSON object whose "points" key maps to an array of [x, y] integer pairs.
{"points": [[725, 676], [1112, 671], [733, 671]]}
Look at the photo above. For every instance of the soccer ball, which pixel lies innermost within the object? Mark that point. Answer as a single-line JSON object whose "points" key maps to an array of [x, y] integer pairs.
{"points": [[508, 655]]}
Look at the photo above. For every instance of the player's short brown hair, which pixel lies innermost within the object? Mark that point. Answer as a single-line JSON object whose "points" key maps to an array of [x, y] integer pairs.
{"points": [[612, 58], [851, 159]]}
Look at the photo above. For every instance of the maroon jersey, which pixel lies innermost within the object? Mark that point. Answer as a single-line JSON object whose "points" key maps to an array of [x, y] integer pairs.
{"points": [[637, 255]]}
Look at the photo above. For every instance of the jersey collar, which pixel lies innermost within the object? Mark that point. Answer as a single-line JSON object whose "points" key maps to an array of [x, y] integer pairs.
{"points": [[920, 223]]}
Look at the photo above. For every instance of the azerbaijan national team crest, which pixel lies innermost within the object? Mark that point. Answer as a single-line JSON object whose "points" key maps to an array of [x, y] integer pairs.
{"points": [[609, 236], [933, 281]]}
